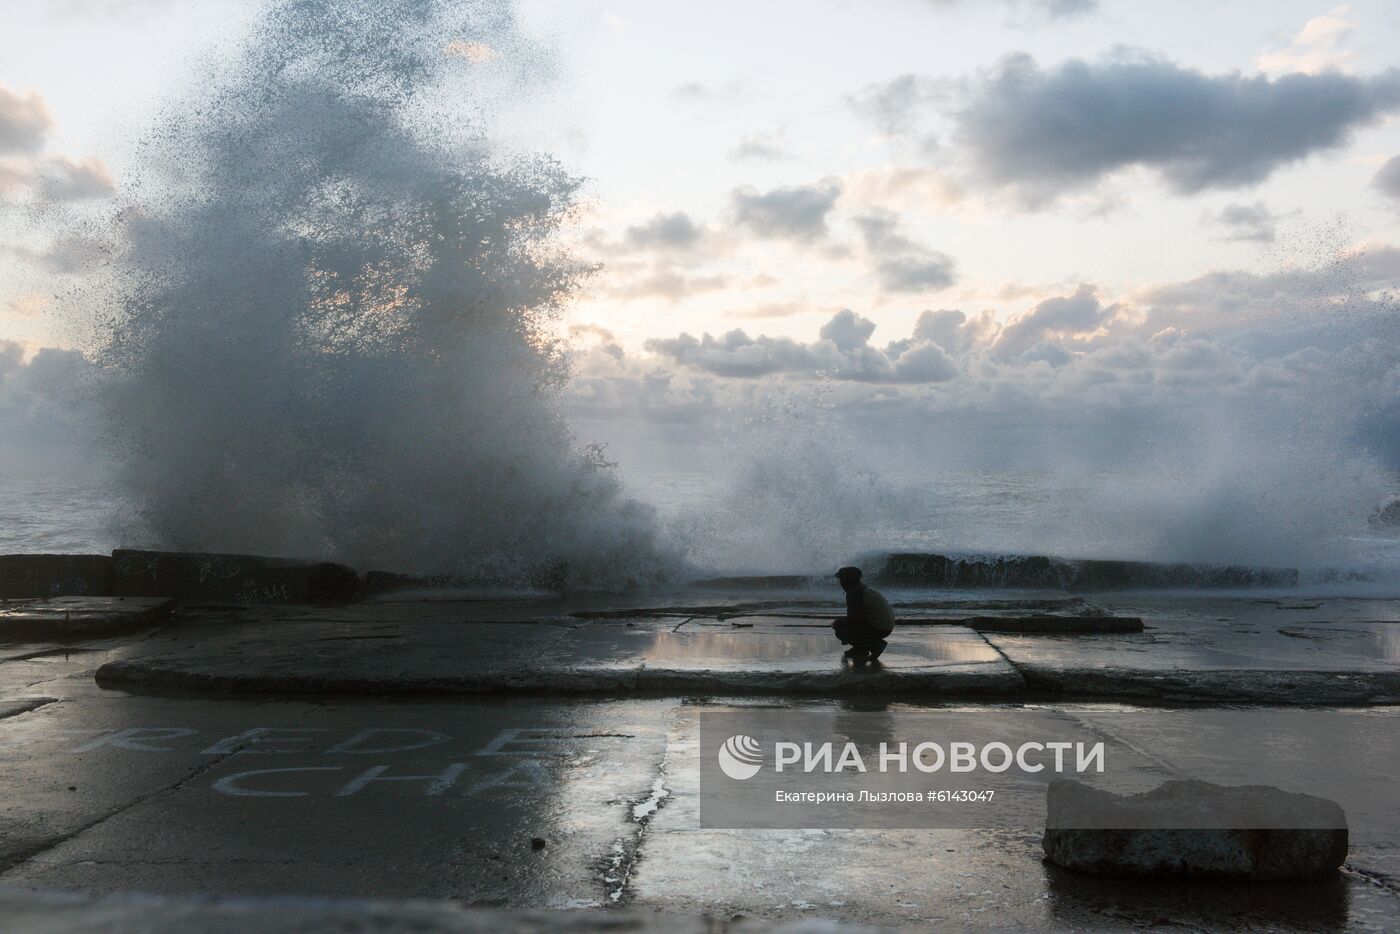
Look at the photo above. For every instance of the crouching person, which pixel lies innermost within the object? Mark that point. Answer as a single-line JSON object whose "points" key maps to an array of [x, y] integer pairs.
{"points": [[868, 619]]}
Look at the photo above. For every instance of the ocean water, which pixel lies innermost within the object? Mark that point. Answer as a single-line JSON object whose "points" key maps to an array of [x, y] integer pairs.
{"points": [[1095, 515], [65, 512], [77, 509]]}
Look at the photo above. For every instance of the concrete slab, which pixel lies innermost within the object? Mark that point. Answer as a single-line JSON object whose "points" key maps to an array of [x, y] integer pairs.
{"points": [[66, 618], [1195, 659], [639, 655], [1024, 621], [1250, 650]]}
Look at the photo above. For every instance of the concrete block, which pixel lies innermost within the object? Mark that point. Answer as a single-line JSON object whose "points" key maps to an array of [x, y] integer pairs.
{"points": [[240, 579], [55, 575], [1195, 829]]}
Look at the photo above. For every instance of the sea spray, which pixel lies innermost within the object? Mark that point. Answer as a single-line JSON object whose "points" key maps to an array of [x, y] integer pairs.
{"points": [[329, 305]]}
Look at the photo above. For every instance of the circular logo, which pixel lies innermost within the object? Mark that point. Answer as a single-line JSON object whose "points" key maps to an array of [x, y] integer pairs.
{"points": [[740, 757]]}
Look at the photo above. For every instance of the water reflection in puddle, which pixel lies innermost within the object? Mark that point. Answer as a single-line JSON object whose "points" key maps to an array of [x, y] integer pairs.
{"points": [[719, 649]]}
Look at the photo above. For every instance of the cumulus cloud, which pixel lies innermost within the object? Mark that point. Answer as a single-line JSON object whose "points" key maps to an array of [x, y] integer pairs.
{"points": [[665, 231], [898, 107], [24, 121], [1226, 301], [1388, 178], [1249, 222], [1319, 46], [1042, 132], [595, 338], [1051, 321], [952, 331], [1064, 8], [737, 354], [848, 330], [798, 213], [696, 91], [1041, 9], [43, 397], [760, 147], [667, 282], [901, 265], [842, 352], [663, 256]]}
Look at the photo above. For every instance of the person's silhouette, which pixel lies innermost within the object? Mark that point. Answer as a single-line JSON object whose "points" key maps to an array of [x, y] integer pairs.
{"points": [[868, 618]]}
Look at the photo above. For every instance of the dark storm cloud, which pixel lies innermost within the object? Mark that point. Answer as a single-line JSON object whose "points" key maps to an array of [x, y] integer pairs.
{"points": [[798, 213], [24, 121], [1045, 131], [900, 264], [1251, 222], [1388, 178]]}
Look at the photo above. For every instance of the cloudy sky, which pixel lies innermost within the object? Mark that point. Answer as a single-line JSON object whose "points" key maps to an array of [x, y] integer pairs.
{"points": [[1099, 225]]}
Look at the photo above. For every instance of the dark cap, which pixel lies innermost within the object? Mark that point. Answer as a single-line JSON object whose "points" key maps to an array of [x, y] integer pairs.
{"points": [[849, 574]]}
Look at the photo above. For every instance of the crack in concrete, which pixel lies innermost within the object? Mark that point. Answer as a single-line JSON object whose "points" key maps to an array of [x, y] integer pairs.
{"points": [[1102, 733], [627, 853], [1379, 880], [10, 709], [1025, 680], [18, 858], [65, 651]]}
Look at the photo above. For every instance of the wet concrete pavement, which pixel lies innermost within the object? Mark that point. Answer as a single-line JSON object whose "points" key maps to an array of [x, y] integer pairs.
{"points": [[80, 617], [533, 802], [1217, 649]]}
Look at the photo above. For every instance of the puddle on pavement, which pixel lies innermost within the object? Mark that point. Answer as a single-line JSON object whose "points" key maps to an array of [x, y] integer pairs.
{"points": [[727, 649], [1380, 643]]}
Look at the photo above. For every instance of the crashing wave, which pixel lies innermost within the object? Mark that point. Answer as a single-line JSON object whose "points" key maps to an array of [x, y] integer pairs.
{"points": [[330, 310]]}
